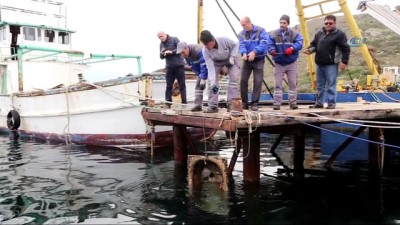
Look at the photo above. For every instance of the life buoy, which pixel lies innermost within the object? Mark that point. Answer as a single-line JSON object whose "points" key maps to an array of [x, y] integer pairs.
{"points": [[13, 120]]}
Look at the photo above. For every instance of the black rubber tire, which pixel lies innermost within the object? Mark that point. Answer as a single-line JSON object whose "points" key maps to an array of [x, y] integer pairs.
{"points": [[13, 120]]}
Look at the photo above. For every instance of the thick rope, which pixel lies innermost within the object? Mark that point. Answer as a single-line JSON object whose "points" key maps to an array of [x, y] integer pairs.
{"points": [[67, 133]]}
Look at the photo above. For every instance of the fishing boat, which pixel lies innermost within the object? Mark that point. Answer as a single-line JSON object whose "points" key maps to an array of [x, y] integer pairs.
{"points": [[43, 91]]}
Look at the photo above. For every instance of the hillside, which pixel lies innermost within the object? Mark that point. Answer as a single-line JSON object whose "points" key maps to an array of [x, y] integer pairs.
{"points": [[383, 42]]}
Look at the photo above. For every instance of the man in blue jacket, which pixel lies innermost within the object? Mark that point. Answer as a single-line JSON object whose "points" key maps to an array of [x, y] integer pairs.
{"points": [[193, 54], [252, 48], [174, 65], [284, 45]]}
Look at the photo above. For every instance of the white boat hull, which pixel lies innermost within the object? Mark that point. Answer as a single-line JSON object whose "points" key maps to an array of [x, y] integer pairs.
{"points": [[88, 114]]}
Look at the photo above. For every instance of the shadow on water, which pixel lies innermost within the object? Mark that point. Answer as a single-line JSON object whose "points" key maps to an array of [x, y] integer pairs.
{"points": [[59, 184]]}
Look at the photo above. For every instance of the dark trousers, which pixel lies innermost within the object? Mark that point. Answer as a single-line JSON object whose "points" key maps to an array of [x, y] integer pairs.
{"points": [[258, 75], [177, 73]]}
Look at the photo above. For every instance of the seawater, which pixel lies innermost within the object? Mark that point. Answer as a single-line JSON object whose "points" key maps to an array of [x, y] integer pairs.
{"points": [[43, 183]]}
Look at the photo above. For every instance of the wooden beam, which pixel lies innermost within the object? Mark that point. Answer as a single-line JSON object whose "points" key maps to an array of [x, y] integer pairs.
{"points": [[343, 146], [180, 145], [235, 155], [298, 154], [376, 152], [251, 157]]}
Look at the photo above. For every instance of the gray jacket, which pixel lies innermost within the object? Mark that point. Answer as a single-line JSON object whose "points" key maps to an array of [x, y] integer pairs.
{"points": [[226, 48]]}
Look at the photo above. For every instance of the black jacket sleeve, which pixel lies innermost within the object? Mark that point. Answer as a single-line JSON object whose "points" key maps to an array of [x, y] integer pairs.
{"points": [[344, 48]]}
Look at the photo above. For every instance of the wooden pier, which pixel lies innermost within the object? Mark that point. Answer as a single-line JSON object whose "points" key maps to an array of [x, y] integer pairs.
{"points": [[248, 125]]}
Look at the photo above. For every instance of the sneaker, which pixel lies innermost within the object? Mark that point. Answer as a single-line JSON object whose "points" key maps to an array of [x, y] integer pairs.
{"points": [[277, 107], [211, 110], [197, 108], [330, 107], [316, 106], [254, 107], [294, 106], [245, 105]]}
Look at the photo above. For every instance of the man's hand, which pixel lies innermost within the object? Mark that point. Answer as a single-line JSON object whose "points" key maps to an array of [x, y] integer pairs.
{"points": [[202, 84], [252, 55], [342, 66], [215, 88], [272, 52], [168, 52], [231, 62], [307, 51], [289, 51], [244, 57], [224, 71]]}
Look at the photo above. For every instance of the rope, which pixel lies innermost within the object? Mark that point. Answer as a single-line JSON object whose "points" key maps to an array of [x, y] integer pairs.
{"points": [[375, 97], [387, 96], [153, 138], [137, 96], [67, 134], [346, 135], [361, 121], [249, 121]]}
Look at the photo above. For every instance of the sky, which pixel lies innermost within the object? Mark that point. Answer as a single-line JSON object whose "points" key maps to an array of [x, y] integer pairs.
{"points": [[131, 26]]}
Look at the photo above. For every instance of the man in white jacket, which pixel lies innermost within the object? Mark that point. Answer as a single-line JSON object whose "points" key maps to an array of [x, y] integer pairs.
{"points": [[219, 52]]}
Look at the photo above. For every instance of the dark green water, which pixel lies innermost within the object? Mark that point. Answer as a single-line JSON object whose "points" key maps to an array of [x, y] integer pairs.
{"points": [[43, 183]]}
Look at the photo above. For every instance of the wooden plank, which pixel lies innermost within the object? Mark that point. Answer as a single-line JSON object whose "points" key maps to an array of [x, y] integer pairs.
{"points": [[267, 119]]}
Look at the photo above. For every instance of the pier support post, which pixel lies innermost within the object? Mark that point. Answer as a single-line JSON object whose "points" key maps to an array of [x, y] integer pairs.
{"points": [[376, 152], [180, 145], [298, 153], [251, 157], [235, 155]]}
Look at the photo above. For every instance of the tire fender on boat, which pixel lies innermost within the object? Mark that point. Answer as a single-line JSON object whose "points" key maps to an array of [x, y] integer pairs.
{"points": [[13, 120]]}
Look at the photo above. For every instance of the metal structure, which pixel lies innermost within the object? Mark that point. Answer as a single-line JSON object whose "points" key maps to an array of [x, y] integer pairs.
{"points": [[383, 14]]}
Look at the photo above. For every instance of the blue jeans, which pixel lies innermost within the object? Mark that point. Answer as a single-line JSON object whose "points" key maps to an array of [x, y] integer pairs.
{"points": [[326, 84]]}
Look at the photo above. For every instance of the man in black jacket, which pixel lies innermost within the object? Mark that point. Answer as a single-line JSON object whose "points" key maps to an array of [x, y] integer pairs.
{"points": [[331, 52], [174, 65]]}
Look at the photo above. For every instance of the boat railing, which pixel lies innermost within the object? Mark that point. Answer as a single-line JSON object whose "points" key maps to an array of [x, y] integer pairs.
{"points": [[26, 53]]}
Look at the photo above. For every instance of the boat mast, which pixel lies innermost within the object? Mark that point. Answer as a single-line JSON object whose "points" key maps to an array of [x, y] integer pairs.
{"points": [[199, 19]]}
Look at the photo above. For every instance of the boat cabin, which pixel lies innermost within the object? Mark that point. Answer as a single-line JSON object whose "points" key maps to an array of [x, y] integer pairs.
{"points": [[33, 23], [14, 34], [35, 48]]}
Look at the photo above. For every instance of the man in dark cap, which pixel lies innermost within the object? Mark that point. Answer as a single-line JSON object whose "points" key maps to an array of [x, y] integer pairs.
{"points": [[219, 52], [284, 46], [174, 65]]}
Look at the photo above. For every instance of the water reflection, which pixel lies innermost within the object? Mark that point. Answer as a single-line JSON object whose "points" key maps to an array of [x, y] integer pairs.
{"points": [[56, 184]]}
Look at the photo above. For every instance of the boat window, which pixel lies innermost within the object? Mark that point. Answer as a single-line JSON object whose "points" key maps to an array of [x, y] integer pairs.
{"points": [[2, 34], [29, 33], [39, 34], [63, 38], [49, 35]]}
